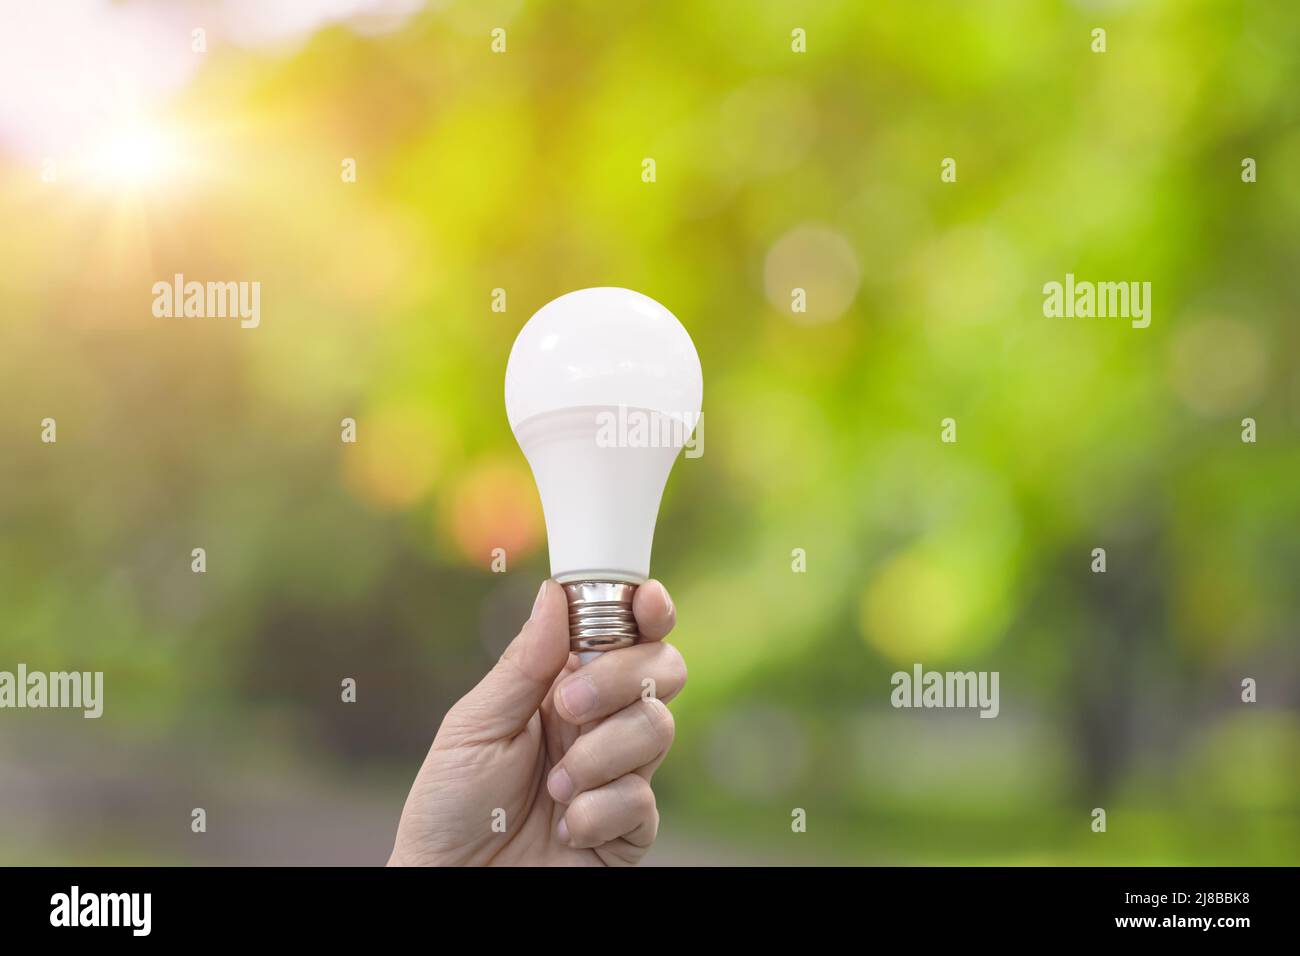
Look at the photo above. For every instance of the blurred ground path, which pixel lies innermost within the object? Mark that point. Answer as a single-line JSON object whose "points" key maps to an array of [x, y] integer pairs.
{"points": [[67, 801]]}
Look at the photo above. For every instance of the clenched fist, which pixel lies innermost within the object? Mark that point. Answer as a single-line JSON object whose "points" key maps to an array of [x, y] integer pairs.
{"points": [[548, 762]]}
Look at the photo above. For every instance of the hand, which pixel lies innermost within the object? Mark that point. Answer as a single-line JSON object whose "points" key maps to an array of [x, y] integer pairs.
{"points": [[546, 762]]}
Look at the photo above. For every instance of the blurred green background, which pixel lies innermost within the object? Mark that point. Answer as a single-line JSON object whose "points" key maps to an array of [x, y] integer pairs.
{"points": [[522, 171]]}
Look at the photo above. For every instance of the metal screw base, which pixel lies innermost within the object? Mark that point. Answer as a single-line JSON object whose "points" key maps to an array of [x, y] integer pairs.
{"points": [[600, 615]]}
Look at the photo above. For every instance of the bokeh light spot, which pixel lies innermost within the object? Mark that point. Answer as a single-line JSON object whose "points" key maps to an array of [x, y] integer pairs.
{"points": [[822, 263], [1217, 366], [495, 506], [396, 459]]}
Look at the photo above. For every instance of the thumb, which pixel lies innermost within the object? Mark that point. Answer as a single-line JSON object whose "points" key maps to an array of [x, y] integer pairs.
{"points": [[503, 702]]}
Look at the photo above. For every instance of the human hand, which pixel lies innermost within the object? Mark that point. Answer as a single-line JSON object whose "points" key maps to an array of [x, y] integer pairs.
{"points": [[548, 762]]}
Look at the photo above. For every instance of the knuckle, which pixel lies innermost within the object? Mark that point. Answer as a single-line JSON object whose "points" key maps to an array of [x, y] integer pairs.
{"points": [[582, 819], [659, 720], [643, 811], [583, 763], [652, 824], [675, 666], [642, 800]]}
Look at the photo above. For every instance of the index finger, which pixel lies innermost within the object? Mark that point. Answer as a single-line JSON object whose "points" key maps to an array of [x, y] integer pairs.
{"points": [[654, 611], [618, 678]]}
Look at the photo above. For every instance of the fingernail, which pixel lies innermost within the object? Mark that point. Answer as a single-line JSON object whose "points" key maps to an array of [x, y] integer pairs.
{"points": [[667, 600], [560, 786], [537, 601], [562, 831], [578, 695]]}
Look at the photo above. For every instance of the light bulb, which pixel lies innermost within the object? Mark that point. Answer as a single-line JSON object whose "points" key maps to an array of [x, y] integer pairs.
{"points": [[603, 390]]}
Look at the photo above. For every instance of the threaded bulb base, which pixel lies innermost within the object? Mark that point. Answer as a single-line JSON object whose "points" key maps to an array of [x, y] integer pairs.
{"points": [[600, 615]]}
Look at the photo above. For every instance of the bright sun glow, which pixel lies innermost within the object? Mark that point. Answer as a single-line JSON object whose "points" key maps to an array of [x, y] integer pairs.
{"points": [[134, 154]]}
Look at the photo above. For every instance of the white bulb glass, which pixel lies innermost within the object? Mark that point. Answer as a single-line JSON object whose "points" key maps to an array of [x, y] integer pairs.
{"points": [[603, 390]]}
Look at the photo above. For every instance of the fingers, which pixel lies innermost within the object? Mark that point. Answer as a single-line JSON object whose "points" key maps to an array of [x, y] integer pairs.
{"points": [[508, 696], [653, 608], [618, 678], [624, 808], [618, 698], [630, 740]]}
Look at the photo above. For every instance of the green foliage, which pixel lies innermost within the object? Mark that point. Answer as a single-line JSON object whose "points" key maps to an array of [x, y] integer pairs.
{"points": [[522, 171]]}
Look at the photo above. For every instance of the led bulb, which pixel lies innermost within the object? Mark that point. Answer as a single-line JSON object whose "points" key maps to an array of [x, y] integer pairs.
{"points": [[603, 390]]}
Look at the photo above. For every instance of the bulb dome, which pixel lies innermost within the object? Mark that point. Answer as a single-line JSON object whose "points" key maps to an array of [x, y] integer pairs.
{"points": [[603, 347]]}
